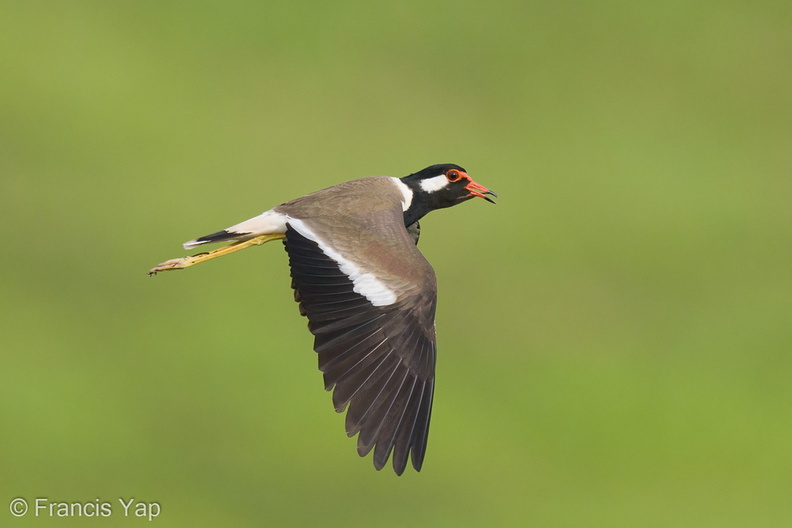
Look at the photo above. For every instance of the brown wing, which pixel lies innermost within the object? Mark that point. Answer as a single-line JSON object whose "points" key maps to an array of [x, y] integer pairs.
{"points": [[380, 360]]}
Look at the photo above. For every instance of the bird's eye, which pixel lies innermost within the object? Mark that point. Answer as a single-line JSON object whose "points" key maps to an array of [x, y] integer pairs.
{"points": [[453, 175]]}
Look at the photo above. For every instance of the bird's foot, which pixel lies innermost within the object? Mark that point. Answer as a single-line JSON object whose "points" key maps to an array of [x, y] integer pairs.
{"points": [[174, 264], [186, 262]]}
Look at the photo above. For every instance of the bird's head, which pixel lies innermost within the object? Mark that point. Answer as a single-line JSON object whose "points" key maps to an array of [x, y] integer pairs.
{"points": [[442, 186]]}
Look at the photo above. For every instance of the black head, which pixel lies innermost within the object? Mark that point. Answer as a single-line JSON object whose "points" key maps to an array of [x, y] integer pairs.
{"points": [[440, 186]]}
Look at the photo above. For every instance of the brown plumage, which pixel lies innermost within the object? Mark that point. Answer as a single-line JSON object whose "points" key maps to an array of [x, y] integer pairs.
{"points": [[369, 296]]}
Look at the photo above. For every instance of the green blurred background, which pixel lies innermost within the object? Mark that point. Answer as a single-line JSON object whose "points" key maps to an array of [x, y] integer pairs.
{"points": [[614, 335]]}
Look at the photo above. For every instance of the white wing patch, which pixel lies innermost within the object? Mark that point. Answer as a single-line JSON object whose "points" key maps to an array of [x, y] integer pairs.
{"points": [[434, 184], [366, 284]]}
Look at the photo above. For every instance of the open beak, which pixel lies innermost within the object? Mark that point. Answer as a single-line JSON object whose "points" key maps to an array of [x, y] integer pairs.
{"points": [[480, 191]]}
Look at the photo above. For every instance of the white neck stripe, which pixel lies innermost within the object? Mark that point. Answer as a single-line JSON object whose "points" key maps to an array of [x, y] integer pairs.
{"points": [[407, 193]]}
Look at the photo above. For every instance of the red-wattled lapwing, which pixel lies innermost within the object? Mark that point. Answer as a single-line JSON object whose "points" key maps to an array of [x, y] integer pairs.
{"points": [[368, 293]]}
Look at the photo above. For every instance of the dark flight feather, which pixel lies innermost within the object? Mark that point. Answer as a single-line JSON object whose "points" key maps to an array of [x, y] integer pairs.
{"points": [[378, 360]]}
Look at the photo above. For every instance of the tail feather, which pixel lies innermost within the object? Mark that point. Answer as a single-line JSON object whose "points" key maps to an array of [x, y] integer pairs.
{"points": [[219, 236], [265, 223]]}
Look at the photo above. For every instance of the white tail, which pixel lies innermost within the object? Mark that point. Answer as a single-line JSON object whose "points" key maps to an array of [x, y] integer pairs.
{"points": [[266, 223]]}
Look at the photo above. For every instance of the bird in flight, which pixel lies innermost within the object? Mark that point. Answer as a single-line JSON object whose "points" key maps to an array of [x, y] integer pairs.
{"points": [[368, 293]]}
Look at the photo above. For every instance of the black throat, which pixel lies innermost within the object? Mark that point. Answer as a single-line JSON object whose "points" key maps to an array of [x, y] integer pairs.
{"points": [[424, 201], [419, 207]]}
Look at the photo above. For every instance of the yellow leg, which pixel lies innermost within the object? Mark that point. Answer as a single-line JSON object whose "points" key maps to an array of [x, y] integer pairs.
{"points": [[186, 262]]}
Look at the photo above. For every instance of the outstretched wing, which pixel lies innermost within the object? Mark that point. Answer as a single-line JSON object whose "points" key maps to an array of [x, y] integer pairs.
{"points": [[373, 324]]}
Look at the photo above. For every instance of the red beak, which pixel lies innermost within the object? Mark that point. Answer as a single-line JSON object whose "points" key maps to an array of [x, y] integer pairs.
{"points": [[479, 190]]}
